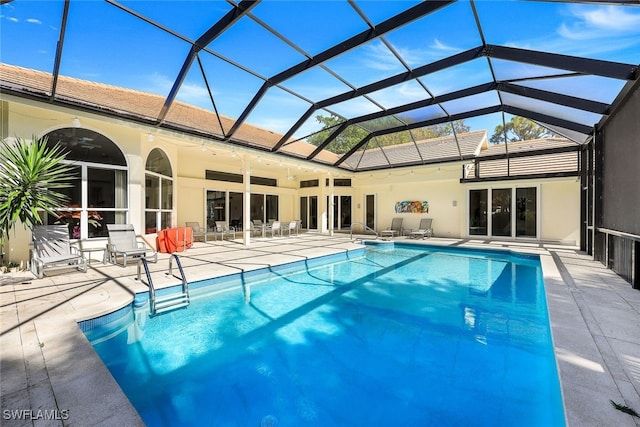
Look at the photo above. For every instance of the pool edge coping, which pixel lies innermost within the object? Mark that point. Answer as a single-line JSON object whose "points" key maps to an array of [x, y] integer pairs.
{"points": [[550, 274]]}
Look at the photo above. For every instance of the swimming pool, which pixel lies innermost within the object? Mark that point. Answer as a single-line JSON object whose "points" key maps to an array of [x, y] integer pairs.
{"points": [[397, 336]]}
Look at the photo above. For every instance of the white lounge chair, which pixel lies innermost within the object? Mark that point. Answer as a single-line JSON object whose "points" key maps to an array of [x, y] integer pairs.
{"points": [[424, 229], [255, 229], [52, 250], [199, 233], [276, 227], [223, 229], [394, 230], [292, 227], [123, 244]]}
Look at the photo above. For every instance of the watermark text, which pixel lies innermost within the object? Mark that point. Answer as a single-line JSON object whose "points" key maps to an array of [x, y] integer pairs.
{"points": [[30, 414]]}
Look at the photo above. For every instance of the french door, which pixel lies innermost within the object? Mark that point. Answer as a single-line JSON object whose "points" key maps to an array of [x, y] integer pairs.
{"points": [[504, 212], [341, 212], [370, 211], [309, 212]]}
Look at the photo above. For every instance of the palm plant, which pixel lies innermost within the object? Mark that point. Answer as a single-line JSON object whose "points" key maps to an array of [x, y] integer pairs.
{"points": [[30, 175]]}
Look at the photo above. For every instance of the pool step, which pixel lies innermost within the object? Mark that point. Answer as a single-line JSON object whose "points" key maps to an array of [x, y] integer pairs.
{"points": [[170, 302]]}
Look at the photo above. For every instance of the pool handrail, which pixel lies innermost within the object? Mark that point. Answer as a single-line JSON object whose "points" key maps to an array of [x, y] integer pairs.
{"points": [[185, 284], [366, 227], [169, 302]]}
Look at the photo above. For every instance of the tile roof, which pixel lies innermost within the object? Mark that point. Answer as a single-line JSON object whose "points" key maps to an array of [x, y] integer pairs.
{"points": [[530, 145], [147, 106], [425, 151], [139, 104]]}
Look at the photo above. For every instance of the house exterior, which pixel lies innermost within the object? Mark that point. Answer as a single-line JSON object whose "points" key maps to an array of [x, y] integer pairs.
{"points": [[130, 171]]}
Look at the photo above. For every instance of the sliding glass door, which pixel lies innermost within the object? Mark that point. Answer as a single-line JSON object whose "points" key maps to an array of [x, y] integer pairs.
{"points": [[216, 207], [309, 212], [229, 207], [510, 216], [370, 211], [526, 212], [236, 210], [478, 205], [341, 212], [501, 212]]}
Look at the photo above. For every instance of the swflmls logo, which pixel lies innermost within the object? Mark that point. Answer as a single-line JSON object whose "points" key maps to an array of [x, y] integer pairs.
{"points": [[29, 414]]}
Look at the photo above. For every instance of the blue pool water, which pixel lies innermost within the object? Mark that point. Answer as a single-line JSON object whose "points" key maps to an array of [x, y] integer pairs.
{"points": [[399, 336]]}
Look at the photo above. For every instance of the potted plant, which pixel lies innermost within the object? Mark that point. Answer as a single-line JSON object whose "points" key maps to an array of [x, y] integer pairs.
{"points": [[30, 175]]}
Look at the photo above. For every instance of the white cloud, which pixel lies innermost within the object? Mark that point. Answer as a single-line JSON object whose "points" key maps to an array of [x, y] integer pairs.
{"points": [[613, 19], [600, 22], [354, 107], [591, 31], [437, 44], [270, 123], [159, 83], [399, 94], [13, 19], [416, 57], [194, 94], [190, 93], [378, 57], [34, 21]]}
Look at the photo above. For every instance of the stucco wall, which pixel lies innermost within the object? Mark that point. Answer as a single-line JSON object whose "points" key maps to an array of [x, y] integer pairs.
{"points": [[439, 185], [560, 211]]}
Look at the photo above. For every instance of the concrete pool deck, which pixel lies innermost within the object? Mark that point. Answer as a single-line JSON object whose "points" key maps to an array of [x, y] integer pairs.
{"points": [[50, 375]]}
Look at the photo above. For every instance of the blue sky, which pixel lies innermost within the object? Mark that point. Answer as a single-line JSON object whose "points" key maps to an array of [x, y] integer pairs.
{"points": [[105, 44]]}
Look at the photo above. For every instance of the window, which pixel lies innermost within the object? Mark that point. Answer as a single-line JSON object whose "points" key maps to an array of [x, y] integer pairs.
{"points": [[216, 208], [258, 180], [99, 196], [236, 177], [222, 205], [272, 207], [158, 192], [223, 176], [309, 183], [264, 207], [342, 182]]}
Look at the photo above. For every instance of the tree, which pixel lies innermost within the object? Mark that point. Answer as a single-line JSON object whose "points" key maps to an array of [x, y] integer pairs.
{"points": [[344, 141], [519, 129], [353, 134], [30, 175], [440, 130]]}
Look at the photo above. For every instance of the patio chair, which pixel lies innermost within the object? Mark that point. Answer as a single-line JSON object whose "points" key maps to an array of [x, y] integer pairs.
{"points": [[259, 226], [276, 227], [52, 251], [123, 244], [199, 233], [292, 227], [424, 229], [223, 229], [394, 229], [254, 229]]}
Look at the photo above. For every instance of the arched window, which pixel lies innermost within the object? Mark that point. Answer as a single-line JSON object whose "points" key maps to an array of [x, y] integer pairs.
{"points": [[158, 192], [99, 194]]}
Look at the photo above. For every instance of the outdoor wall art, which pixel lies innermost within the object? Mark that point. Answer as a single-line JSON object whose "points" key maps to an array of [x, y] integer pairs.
{"points": [[412, 206]]}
